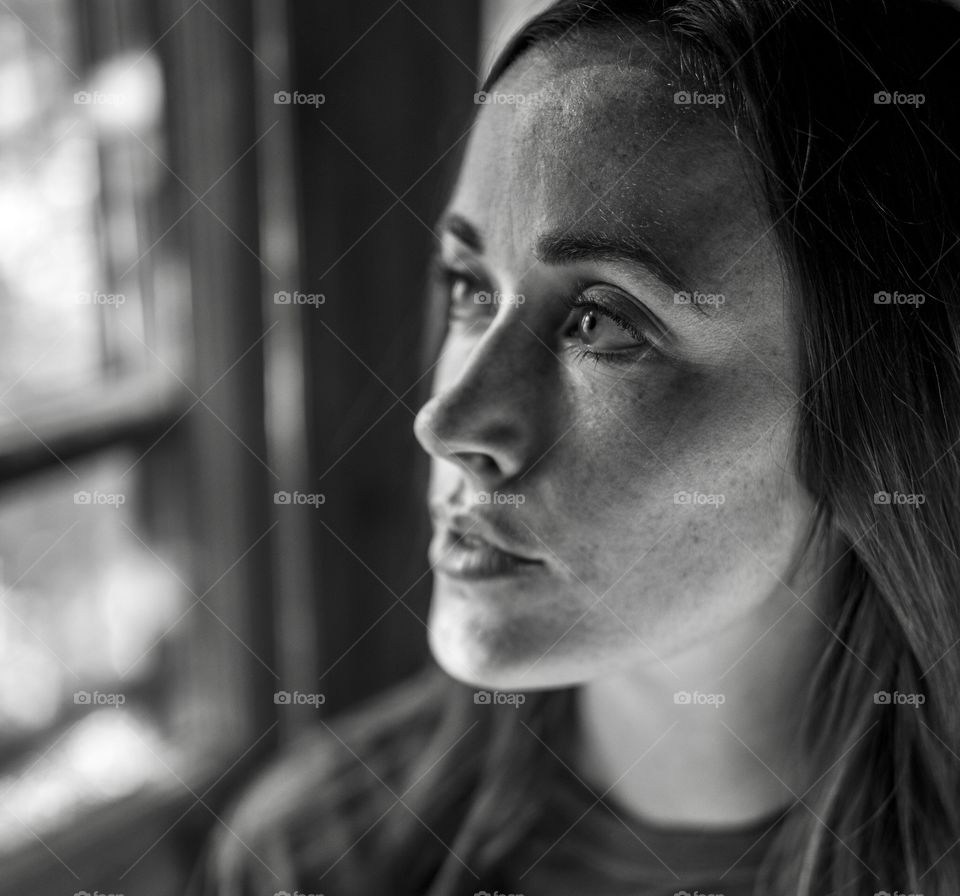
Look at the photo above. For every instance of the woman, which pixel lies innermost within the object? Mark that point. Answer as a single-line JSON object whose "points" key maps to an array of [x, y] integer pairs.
{"points": [[694, 433]]}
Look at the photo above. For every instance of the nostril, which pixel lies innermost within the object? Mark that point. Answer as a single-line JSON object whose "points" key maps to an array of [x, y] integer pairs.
{"points": [[470, 427], [483, 466]]}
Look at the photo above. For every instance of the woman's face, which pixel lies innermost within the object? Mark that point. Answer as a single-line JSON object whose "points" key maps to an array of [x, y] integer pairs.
{"points": [[630, 442]]}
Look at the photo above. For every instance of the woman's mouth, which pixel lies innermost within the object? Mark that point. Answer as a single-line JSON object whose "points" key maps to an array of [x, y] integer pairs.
{"points": [[470, 556]]}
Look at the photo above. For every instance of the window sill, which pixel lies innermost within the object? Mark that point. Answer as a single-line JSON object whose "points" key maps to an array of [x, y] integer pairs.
{"points": [[146, 841], [66, 427]]}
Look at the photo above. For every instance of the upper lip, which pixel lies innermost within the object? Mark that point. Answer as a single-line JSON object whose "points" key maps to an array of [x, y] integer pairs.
{"points": [[462, 522]]}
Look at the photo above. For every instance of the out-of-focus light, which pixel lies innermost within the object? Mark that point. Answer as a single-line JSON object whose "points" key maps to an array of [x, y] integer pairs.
{"points": [[30, 686], [69, 176], [18, 99], [124, 93], [140, 600], [113, 753]]}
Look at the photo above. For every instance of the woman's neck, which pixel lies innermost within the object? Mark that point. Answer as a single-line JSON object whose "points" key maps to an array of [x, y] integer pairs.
{"points": [[710, 736]]}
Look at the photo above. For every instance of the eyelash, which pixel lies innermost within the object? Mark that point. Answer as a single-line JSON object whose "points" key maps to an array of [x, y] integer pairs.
{"points": [[444, 277], [577, 301]]}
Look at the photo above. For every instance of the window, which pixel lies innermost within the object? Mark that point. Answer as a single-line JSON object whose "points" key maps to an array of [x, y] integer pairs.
{"points": [[157, 394], [114, 632]]}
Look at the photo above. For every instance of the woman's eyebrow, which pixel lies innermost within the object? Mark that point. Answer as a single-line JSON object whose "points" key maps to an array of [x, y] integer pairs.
{"points": [[463, 230], [566, 246]]}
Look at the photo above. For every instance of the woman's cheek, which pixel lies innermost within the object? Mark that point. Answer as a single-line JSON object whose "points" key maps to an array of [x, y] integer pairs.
{"points": [[668, 462], [642, 438]]}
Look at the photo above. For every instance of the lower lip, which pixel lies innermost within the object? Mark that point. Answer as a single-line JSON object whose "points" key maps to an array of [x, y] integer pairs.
{"points": [[475, 562]]}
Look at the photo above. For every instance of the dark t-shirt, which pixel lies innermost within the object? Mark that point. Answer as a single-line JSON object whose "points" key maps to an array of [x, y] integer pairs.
{"points": [[587, 843], [610, 852], [580, 845]]}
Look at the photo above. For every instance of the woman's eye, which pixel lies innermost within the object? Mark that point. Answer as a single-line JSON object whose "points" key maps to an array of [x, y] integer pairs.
{"points": [[462, 292], [600, 332]]}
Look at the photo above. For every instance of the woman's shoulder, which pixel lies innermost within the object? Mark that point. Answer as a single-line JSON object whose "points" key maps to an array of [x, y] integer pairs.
{"points": [[309, 807]]}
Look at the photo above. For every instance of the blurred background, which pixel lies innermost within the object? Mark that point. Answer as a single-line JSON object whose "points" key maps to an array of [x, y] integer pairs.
{"points": [[216, 218]]}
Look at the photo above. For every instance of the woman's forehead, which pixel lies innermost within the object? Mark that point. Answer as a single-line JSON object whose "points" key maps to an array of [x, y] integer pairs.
{"points": [[600, 140]]}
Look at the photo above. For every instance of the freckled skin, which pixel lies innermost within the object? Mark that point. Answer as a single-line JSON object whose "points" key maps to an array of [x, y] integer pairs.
{"points": [[600, 450]]}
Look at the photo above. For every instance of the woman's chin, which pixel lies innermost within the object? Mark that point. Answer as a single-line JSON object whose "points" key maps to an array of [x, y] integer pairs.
{"points": [[482, 643], [490, 645]]}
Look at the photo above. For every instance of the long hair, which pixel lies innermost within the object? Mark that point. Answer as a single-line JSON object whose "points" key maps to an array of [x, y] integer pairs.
{"points": [[864, 196]]}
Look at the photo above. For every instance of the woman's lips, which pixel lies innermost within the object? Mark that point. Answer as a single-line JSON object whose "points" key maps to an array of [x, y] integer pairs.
{"points": [[469, 556]]}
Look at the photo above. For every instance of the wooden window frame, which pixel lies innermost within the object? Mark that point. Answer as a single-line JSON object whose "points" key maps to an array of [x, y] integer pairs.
{"points": [[221, 478], [216, 476]]}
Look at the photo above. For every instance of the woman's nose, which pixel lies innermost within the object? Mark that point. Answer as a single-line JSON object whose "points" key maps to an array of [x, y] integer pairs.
{"points": [[485, 413]]}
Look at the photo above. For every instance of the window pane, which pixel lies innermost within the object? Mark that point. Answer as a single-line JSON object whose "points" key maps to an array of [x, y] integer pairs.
{"points": [[109, 754], [84, 601], [80, 247]]}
